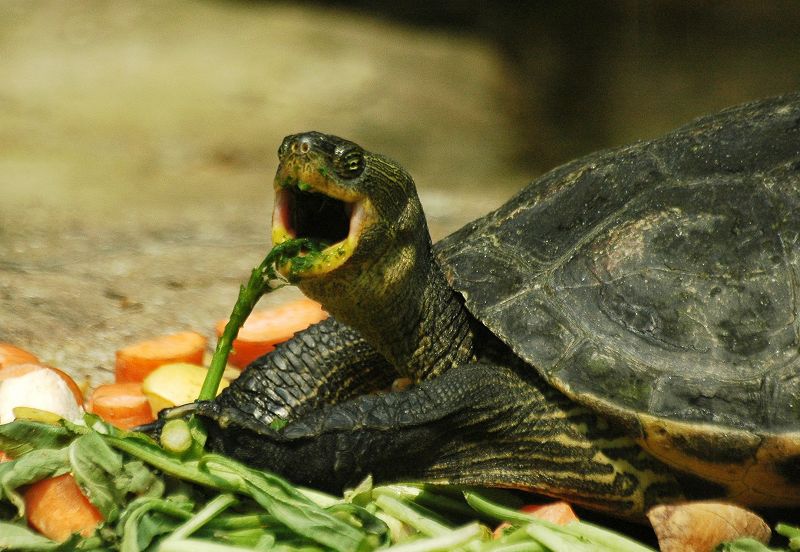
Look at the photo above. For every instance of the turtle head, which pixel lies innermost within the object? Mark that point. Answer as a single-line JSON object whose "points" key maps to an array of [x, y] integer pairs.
{"points": [[375, 271], [357, 205]]}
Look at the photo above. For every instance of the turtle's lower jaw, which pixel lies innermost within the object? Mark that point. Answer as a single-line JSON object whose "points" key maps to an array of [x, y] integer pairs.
{"points": [[336, 223]]}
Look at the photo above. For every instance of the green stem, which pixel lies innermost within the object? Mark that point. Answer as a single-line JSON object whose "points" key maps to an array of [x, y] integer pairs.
{"points": [[182, 470], [408, 515], [248, 297], [197, 545], [202, 517], [445, 542], [434, 501], [263, 279], [241, 521], [598, 536]]}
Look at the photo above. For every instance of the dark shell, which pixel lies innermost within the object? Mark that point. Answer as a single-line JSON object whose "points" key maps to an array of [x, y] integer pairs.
{"points": [[660, 277]]}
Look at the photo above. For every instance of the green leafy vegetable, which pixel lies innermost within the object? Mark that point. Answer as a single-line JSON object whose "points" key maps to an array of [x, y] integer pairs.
{"points": [[791, 533], [292, 508], [30, 468], [138, 526], [749, 545], [95, 467], [17, 537], [154, 499], [577, 535], [17, 439], [743, 545]]}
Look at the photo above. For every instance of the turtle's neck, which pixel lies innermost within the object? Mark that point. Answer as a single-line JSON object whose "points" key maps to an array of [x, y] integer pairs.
{"points": [[401, 303]]}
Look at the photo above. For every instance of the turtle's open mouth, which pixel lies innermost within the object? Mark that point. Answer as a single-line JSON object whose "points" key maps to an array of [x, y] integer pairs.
{"points": [[319, 211], [309, 214]]}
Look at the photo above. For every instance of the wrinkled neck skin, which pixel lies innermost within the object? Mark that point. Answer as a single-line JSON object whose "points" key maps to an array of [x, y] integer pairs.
{"points": [[398, 298]]}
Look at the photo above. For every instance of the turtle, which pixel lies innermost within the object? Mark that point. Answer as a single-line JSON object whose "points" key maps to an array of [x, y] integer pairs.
{"points": [[622, 333]]}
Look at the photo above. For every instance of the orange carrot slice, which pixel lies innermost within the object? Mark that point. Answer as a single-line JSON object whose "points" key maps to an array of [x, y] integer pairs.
{"points": [[4, 457], [559, 513], [10, 355], [136, 361], [22, 369], [56, 508], [267, 327], [122, 404]]}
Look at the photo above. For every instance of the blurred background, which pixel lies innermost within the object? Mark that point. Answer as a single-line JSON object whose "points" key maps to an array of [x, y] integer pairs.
{"points": [[138, 139]]}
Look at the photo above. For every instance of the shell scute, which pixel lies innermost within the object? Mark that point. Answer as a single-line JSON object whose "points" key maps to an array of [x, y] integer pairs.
{"points": [[541, 326]]}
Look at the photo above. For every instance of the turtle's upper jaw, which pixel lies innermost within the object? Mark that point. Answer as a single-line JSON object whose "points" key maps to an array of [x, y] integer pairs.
{"points": [[310, 204]]}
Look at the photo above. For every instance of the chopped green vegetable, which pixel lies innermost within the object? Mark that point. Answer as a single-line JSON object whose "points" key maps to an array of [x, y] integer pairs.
{"points": [[30, 468], [176, 437], [576, 535], [791, 533], [96, 467], [410, 516], [202, 517], [196, 545], [450, 540], [750, 545], [18, 537], [263, 279], [155, 500]]}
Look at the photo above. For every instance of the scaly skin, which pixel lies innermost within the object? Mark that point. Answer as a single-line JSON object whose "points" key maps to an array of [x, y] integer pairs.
{"points": [[478, 415], [290, 382]]}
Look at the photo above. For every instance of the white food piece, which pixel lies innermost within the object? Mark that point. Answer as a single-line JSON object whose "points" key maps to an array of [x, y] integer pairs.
{"points": [[42, 389]]}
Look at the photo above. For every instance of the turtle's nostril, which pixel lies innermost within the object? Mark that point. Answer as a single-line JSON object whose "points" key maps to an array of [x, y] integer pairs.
{"points": [[300, 145], [307, 144]]}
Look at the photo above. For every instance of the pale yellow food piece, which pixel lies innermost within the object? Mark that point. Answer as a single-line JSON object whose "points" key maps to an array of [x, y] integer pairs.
{"points": [[36, 415], [176, 384]]}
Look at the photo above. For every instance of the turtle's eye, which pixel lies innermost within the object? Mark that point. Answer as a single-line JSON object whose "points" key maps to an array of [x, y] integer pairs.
{"points": [[349, 162]]}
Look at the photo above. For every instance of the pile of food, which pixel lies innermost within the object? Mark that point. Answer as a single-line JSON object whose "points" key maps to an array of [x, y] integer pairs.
{"points": [[74, 477]]}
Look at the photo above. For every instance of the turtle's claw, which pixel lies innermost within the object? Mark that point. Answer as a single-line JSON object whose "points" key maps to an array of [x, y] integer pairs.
{"points": [[153, 429], [177, 411]]}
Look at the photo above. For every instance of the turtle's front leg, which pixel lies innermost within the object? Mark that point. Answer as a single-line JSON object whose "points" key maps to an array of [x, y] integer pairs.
{"points": [[476, 424], [325, 364]]}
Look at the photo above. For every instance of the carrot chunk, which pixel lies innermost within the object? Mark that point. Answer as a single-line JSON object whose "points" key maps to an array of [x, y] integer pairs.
{"points": [[10, 355], [21, 369], [265, 328], [56, 508], [559, 513], [136, 361], [122, 404]]}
